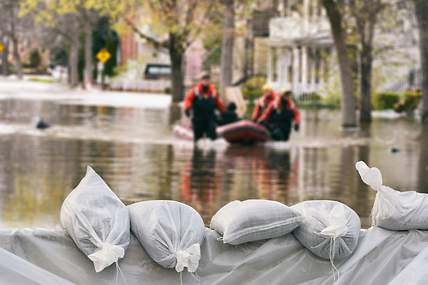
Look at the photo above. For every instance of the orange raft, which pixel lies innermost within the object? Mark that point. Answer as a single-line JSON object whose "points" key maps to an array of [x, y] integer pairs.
{"points": [[242, 132]]}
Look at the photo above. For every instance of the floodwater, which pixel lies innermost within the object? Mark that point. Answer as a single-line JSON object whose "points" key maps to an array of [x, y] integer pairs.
{"points": [[134, 151]]}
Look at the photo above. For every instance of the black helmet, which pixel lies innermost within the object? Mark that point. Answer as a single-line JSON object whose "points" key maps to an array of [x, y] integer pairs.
{"points": [[231, 106], [205, 76]]}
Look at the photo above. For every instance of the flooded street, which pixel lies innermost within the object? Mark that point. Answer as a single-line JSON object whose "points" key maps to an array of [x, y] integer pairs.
{"points": [[132, 148]]}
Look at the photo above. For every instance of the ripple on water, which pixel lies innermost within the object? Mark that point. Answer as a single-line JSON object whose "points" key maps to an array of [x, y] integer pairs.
{"points": [[133, 149]]}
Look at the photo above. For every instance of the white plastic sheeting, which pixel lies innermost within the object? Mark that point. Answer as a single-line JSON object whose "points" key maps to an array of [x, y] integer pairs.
{"points": [[394, 210], [382, 257], [15, 270]]}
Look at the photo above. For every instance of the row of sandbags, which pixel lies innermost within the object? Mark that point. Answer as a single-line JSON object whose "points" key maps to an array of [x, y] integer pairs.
{"points": [[171, 232]]}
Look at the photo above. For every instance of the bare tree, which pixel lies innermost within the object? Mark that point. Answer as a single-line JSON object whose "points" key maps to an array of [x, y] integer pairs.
{"points": [[227, 45], [71, 19], [10, 25], [365, 14], [88, 19], [182, 21], [421, 12], [67, 30], [334, 14], [5, 55]]}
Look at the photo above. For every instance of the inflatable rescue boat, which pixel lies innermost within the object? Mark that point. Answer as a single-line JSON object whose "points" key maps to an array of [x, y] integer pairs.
{"points": [[242, 132]]}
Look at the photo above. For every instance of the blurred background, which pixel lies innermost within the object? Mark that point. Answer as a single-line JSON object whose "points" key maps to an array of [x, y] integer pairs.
{"points": [[108, 78]]}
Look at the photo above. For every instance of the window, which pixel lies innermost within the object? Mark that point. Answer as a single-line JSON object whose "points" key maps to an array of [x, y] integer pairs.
{"points": [[317, 65], [274, 53], [309, 64], [157, 71]]}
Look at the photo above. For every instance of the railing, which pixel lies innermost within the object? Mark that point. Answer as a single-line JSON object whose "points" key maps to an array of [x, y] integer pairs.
{"points": [[297, 28], [140, 85]]}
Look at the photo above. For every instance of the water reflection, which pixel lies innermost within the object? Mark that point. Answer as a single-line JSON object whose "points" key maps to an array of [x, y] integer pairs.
{"points": [[200, 185], [134, 152]]}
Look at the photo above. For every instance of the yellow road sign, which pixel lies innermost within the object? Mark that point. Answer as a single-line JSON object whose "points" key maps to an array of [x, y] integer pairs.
{"points": [[103, 55], [1, 47]]}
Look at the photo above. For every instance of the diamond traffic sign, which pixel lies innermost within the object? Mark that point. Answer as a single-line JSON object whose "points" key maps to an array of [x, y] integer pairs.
{"points": [[1, 47], [103, 55]]}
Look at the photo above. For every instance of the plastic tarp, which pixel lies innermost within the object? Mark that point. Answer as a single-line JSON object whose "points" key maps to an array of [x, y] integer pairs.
{"points": [[382, 257]]}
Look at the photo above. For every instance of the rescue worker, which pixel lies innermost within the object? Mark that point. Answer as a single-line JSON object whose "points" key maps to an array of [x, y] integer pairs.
{"points": [[284, 114], [229, 116], [265, 106], [200, 104]]}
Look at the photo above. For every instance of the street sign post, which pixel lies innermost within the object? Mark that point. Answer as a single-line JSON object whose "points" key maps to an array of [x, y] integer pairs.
{"points": [[103, 56]]}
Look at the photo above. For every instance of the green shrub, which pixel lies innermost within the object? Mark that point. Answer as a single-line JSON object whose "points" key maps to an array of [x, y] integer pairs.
{"points": [[309, 100], [35, 59], [409, 101], [312, 97], [332, 99], [252, 89], [412, 99], [386, 100]]}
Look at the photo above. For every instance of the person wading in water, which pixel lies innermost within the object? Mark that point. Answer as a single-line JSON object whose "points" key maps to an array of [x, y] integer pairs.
{"points": [[200, 105], [284, 114]]}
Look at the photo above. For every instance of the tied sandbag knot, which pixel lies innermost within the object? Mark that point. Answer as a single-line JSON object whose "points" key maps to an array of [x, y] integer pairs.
{"points": [[334, 232], [370, 175], [188, 258], [120, 273], [107, 255], [335, 271], [336, 229]]}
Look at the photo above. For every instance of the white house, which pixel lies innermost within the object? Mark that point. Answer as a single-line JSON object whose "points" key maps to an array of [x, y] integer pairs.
{"points": [[300, 48], [302, 55]]}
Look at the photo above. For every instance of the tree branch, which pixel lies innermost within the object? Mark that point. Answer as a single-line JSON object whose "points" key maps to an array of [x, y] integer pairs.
{"points": [[153, 41], [200, 26]]}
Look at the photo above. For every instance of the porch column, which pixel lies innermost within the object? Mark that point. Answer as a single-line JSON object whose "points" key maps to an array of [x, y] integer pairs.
{"points": [[304, 69], [296, 70]]}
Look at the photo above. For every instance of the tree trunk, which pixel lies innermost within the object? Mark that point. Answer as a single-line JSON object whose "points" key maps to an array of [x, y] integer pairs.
{"points": [[17, 57], [14, 38], [249, 57], [423, 158], [421, 11], [5, 56], [73, 63], [365, 16], [89, 66], [176, 54], [226, 75], [349, 118], [366, 65]]}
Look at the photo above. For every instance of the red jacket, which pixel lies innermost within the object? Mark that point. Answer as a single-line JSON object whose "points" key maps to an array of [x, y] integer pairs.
{"points": [[264, 107], [197, 91], [292, 106]]}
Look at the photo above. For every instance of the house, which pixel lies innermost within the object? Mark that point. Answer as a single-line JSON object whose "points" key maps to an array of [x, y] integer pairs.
{"points": [[136, 55], [302, 54]]}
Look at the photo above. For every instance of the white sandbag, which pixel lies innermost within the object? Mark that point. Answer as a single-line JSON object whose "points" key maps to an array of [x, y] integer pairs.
{"points": [[97, 221], [170, 232], [394, 210], [252, 220], [329, 230]]}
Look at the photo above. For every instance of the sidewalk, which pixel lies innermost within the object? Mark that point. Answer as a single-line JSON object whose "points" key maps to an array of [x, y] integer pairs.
{"points": [[13, 89]]}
